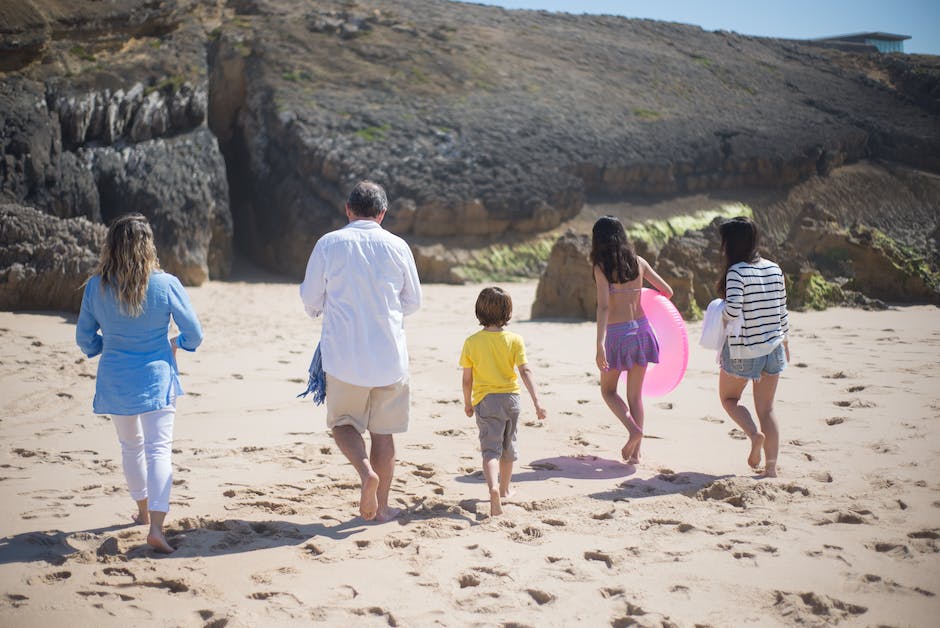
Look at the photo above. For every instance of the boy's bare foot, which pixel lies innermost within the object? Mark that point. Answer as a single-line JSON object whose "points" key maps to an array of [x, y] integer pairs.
{"points": [[496, 506], [369, 501], [770, 471], [385, 515], [633, 442], [158, 542], [757, 443]]}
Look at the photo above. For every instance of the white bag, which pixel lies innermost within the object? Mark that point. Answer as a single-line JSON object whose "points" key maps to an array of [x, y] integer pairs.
{"points": [[713, 327]]}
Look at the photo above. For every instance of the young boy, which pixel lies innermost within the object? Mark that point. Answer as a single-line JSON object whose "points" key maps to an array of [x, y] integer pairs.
{"points": [[490, 387]]}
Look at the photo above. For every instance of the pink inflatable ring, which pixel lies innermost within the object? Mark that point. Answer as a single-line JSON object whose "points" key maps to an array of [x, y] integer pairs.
{"points": [[667, 324]]}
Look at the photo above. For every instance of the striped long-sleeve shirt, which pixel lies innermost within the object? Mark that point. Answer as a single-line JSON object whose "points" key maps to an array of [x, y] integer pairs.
{"points": [[755, 293]]}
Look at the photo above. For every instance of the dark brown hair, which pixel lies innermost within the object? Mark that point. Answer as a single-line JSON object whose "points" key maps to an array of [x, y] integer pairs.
{"points": [[739, 240], [612, 251], [494, 307]]}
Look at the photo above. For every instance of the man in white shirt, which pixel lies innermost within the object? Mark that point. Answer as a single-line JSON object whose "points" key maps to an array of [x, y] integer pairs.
{"points": [[364, 281]]}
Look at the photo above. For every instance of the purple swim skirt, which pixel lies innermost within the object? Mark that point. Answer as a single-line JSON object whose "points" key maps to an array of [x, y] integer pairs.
{"points": [[631, 344]]}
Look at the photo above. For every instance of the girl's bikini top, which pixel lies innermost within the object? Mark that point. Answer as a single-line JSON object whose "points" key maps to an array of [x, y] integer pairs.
{"points": [[615, 290]]}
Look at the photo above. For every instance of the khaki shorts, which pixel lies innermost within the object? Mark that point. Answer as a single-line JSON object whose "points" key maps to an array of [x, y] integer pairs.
{"points": [[498, 420], [381, 410]]}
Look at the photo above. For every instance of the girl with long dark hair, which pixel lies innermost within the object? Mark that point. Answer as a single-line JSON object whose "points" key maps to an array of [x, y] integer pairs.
{"points": [[625, 340], [755, 296]]}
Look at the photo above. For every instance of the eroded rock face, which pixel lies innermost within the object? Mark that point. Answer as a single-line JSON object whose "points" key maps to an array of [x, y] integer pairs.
{"points": [[44, 260], [865, 259], [110, 117], [482, 121]]}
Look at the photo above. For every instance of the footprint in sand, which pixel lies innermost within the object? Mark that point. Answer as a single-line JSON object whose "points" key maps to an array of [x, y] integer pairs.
{"points": [[601, 557], [836, 420], [814, 609], [540, 597]]}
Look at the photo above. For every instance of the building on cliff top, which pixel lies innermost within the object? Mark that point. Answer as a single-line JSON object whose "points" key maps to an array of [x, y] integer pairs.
{"points": [[883, 42]]}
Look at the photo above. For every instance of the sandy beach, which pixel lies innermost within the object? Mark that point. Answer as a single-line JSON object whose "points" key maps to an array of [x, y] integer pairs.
{"points": [[264, 506]]}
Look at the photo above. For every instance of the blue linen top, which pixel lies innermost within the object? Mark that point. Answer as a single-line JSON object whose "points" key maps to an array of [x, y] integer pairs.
{"points": [[137, 372]]}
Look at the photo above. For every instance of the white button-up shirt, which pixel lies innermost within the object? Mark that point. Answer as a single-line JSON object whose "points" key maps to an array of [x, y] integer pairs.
{"points": [[364, 281]]}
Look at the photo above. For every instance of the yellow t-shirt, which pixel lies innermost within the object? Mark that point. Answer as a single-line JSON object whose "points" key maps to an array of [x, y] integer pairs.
{"points": [[493, 356]]}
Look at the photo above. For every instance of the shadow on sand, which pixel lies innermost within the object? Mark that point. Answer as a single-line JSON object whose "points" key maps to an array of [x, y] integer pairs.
{"points": [[574, 467]]}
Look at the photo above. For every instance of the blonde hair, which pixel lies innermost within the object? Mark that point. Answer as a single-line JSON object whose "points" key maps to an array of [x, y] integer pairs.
{"points": [[128, 257]]}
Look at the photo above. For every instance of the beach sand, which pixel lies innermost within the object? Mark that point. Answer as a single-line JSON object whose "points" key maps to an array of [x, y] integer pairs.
{"points": [[264, 507]]}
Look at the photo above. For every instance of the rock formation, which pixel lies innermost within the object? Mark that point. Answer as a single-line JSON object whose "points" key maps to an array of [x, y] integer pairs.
{"points": [[243, 123], [104, 111], [44, 260]]}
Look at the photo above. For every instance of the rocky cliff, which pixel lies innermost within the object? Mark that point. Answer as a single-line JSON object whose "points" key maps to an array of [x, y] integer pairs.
{"points": [[241, 124]]}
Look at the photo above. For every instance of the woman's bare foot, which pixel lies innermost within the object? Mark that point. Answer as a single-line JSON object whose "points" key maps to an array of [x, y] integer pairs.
{"points": [[634, 459], [757, 443], [496, 505], [629, 450], [369, 501], [158, 542], [141, 518], [384, 515]]}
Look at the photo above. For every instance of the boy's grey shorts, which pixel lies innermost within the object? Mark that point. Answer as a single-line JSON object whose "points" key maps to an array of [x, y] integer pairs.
{"points": [[498, 420]]}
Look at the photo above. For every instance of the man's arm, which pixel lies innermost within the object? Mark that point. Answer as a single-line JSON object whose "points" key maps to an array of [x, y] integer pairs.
{"points": [[313, 288], [411, 290]]}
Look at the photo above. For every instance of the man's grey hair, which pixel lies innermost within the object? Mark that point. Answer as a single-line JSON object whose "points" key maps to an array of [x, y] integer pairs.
{"points": [[367, 200]]}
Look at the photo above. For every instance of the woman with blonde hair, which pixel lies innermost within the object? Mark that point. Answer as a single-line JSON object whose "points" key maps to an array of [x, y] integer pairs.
{"points": [[125, 318]]}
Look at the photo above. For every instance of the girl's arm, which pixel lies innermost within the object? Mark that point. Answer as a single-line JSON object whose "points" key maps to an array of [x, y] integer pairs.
{"points": [[467, 390], [603, 305], [654, 279], [526, 374]]}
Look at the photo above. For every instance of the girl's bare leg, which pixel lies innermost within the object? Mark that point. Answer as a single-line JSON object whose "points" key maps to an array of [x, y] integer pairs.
{"points": [[619, 407], [730, 389], [764, 392], [635, 402]]}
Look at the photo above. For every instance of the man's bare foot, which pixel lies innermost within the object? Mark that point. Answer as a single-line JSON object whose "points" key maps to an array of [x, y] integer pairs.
{"points": [[158, 542], [369, 501], [757, 443], [141, 518], [384, 515], [629, 450], [770, 471], [496, 506]]}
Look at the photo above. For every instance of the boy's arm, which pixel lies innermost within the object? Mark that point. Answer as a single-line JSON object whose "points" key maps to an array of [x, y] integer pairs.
{"points": [[467, 390], [526, 374]]}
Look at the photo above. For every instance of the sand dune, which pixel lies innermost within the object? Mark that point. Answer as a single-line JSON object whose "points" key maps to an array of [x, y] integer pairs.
{"points": [[264, 506]]}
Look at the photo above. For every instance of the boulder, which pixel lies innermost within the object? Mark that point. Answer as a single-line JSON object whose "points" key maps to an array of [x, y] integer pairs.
{"points": [[44, 260], [566, 289]]}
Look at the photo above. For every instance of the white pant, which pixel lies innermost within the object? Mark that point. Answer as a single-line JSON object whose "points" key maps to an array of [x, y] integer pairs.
{"points": [[146, 449]]}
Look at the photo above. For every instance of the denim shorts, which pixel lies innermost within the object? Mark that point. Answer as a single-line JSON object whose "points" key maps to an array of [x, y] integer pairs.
{"points": [[752, 368]]}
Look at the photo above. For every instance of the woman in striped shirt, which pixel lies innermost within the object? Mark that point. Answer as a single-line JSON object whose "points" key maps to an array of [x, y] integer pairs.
{"points": [[755, 296]]}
